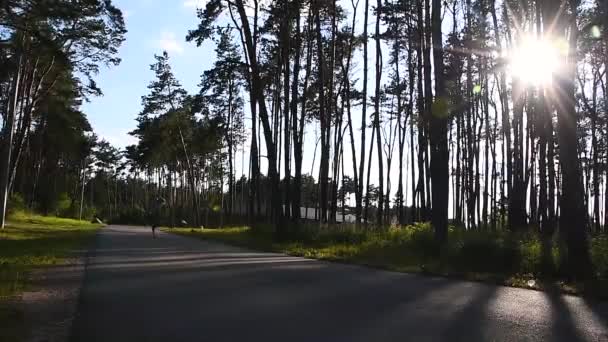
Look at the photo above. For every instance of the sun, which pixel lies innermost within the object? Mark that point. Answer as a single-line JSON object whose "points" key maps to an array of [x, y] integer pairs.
{"points": [[535, 61]]}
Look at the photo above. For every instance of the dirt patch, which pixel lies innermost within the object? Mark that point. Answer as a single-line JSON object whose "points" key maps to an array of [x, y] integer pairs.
{"points": [[50, 303]]}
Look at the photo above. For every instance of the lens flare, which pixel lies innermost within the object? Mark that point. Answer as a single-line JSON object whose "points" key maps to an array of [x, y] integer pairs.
{"points": [[535, 61]]}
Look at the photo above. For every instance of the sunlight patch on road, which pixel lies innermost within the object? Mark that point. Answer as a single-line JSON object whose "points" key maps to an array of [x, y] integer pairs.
{"points": [[586, 322], [192, 262]]}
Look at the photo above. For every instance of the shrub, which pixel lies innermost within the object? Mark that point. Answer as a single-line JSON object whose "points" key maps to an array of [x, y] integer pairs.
{"points": [[599, 255], [130, 215], [88, 212], [422, 239], [531, 256], [412, 247], [484, 252], [61, 205], [16, 203]]}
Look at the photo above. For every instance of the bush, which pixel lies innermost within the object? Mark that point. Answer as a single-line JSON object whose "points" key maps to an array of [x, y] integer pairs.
{"points": [[61, 205], [599, 255], [73, 211], [414, 245], [504, 255], [421, 239], [483, 252], [16, 203], [531, 256], [131, 215], [88, 212]]}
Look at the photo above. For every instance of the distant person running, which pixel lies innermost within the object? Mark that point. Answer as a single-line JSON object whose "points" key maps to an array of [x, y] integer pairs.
{"points": [[156, 207]]}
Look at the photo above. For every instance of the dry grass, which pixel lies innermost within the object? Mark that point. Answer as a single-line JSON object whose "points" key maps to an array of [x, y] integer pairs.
{"points": [[30, 241]]}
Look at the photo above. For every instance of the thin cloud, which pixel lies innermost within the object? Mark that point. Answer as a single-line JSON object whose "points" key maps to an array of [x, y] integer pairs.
{"points": [[120, 139], [195, 3], [169, 43]]}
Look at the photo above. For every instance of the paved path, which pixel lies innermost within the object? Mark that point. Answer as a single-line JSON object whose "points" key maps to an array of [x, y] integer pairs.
{"points": [[180, 289]]}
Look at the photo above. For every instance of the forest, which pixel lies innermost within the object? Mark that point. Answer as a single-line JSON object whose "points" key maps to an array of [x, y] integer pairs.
{"points": [[486, 116]]}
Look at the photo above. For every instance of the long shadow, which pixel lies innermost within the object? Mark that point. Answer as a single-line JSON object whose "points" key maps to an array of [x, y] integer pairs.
{"points": [[563, 327], [34, 246], [165, 273], [168, 268], [471, 323], [347, 313], [162, 251], [169, 261], [316, 304], [599, 310]]}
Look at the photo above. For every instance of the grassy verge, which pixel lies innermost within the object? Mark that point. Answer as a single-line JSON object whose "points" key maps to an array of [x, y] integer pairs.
{"points": [[513, 260], [28, 242]]}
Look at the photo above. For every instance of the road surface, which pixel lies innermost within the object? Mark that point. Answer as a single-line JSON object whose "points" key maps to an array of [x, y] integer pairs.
{"points": [[181, 289]]}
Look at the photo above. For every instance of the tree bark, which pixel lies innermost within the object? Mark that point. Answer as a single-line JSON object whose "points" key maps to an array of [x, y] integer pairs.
{"points": [[324, 118], [439, 143], [572, 200], [359, 207], [257, 89], [296, 201], [4, 184], [378, 95]]}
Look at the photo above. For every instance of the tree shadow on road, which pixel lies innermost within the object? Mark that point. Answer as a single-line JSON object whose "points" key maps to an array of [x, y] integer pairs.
{"points": [[581, 325], [469, 323]]}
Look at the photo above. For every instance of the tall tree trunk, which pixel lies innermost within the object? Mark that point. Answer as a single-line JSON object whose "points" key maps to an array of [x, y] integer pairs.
{"points": [[254, 160], [422, 116], [377, 114], [296, 200], [572, 210], [369, 166], [544, 118], [358, 194], [605, 35], [439, 144], [324, 118], [359, 203], [428, 106], [517, 215], [287, 22], [258, 89], [8, 145], [333, 109], [82, 191], [504, 105], [595, 160], [299, 137]]}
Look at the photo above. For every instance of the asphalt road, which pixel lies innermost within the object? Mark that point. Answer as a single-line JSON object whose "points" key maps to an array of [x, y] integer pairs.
{"points": [[179, 289]]}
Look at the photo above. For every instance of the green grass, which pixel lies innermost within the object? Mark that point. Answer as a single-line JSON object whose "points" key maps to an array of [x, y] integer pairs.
{"points": [[503, 258], [31, 241]]}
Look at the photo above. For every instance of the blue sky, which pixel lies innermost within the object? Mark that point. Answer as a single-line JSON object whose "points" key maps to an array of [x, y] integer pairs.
{"points": [[153, 26], [157, 25]]}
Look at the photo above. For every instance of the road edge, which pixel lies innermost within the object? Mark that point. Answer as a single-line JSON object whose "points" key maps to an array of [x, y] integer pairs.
{"points": [[50, 304]]}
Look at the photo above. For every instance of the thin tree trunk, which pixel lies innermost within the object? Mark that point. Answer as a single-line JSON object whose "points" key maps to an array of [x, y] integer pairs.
{"points": [[286, 111], [369, 165], [356, 175], [422, 117], [296, 200], [377, 114], [4, 191], [363, 119], [324, 117]]}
